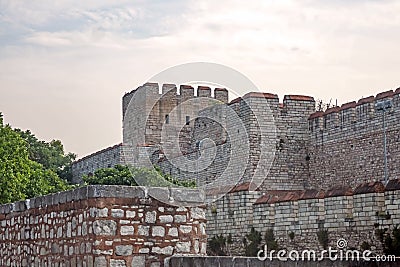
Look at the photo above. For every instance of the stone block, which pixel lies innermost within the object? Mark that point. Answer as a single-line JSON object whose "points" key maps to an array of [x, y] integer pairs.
{"points": [[183, 247], [100, 261], [138, 261], [123, 250], [117, 263], [127, 230], [104, 227], [150, 217], [158, 231], [166, 218]]}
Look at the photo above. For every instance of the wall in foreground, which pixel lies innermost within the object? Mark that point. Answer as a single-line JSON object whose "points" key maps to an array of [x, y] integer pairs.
{"points": [[101, 226]]}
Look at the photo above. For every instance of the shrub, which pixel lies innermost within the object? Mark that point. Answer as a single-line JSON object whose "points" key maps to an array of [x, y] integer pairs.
{"points": [[323, 238]]}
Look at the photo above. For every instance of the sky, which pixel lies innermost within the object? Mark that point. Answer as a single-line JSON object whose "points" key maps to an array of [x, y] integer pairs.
{"points": [[65, 65]]}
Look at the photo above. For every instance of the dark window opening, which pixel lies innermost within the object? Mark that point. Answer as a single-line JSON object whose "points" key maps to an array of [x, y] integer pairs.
{"points": [[187, 120], [167, 119]]}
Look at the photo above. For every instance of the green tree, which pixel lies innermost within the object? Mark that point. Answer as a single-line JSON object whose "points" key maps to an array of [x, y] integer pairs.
{"points": [[20, 177], [126, 175], [50, 155]]}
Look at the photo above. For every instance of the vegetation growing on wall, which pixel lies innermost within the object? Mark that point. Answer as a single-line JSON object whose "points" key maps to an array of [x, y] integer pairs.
{"points": [[323, 238], [390, 240], [254, 243], [127, 175], [217, 246], [270, 240]]}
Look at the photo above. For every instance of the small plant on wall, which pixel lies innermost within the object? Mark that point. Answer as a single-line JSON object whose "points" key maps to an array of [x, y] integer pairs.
{"points": [[323, 238], [254, 241], [291, 235], [214, 209], [217, 246], [270, 240], [390, 240]]}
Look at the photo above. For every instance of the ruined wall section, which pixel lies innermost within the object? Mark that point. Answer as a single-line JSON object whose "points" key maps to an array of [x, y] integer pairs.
{"points": [[347, 143]]}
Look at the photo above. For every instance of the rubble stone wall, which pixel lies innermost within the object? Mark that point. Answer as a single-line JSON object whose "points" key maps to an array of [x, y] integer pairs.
{"points": [[100, 226]]}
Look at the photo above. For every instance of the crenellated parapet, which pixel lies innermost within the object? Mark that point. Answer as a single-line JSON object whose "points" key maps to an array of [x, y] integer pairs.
{"points": [[347, 142], [350, 114]]}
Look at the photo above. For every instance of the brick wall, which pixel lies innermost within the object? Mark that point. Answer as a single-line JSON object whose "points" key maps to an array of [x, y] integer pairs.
{"points": [[101, 226]]}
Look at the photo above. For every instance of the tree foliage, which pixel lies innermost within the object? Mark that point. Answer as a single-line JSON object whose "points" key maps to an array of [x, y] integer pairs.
{"points": [[126, 175], [21, 177], [50, 155]]}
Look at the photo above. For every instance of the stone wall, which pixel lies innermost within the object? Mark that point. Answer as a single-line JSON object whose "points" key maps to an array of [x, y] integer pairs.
{"points": [[355, 215], [109, 157], [190, 261], [309, 150], [101, 226], [347, 143], [281, 130]]}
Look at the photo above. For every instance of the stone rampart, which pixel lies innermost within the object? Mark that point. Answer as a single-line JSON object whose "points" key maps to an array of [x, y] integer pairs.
{"points": [[297, 216]]}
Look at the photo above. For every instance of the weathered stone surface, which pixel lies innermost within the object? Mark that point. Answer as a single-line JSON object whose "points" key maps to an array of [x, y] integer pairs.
{"points": [[158, 231], [104, 227], [166, 218], [165, 250], [180, 218], [150, 217], [183, 247], [117, 213], [117, 263], [185, 228], [100, 261], [173, 231], [130, 214], [138, 261], [127, 230], [123, 250], [143, 230]]}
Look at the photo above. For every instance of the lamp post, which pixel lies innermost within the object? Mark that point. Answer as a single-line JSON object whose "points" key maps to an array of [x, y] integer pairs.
{"points": [[384, 106]]}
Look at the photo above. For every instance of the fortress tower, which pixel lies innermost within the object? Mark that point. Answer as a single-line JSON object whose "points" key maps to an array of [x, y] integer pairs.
{"points": [[308, 148]]}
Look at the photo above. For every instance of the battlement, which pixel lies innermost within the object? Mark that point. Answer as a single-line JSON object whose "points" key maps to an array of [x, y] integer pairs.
{"points": [[170, 92], [273, 100], [363, 110]]}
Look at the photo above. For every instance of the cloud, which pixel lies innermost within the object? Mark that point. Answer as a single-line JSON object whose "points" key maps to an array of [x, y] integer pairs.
{"points": [[67, 63]]}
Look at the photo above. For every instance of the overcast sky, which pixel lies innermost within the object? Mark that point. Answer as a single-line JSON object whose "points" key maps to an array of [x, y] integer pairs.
{"points": [[64, 65]]}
